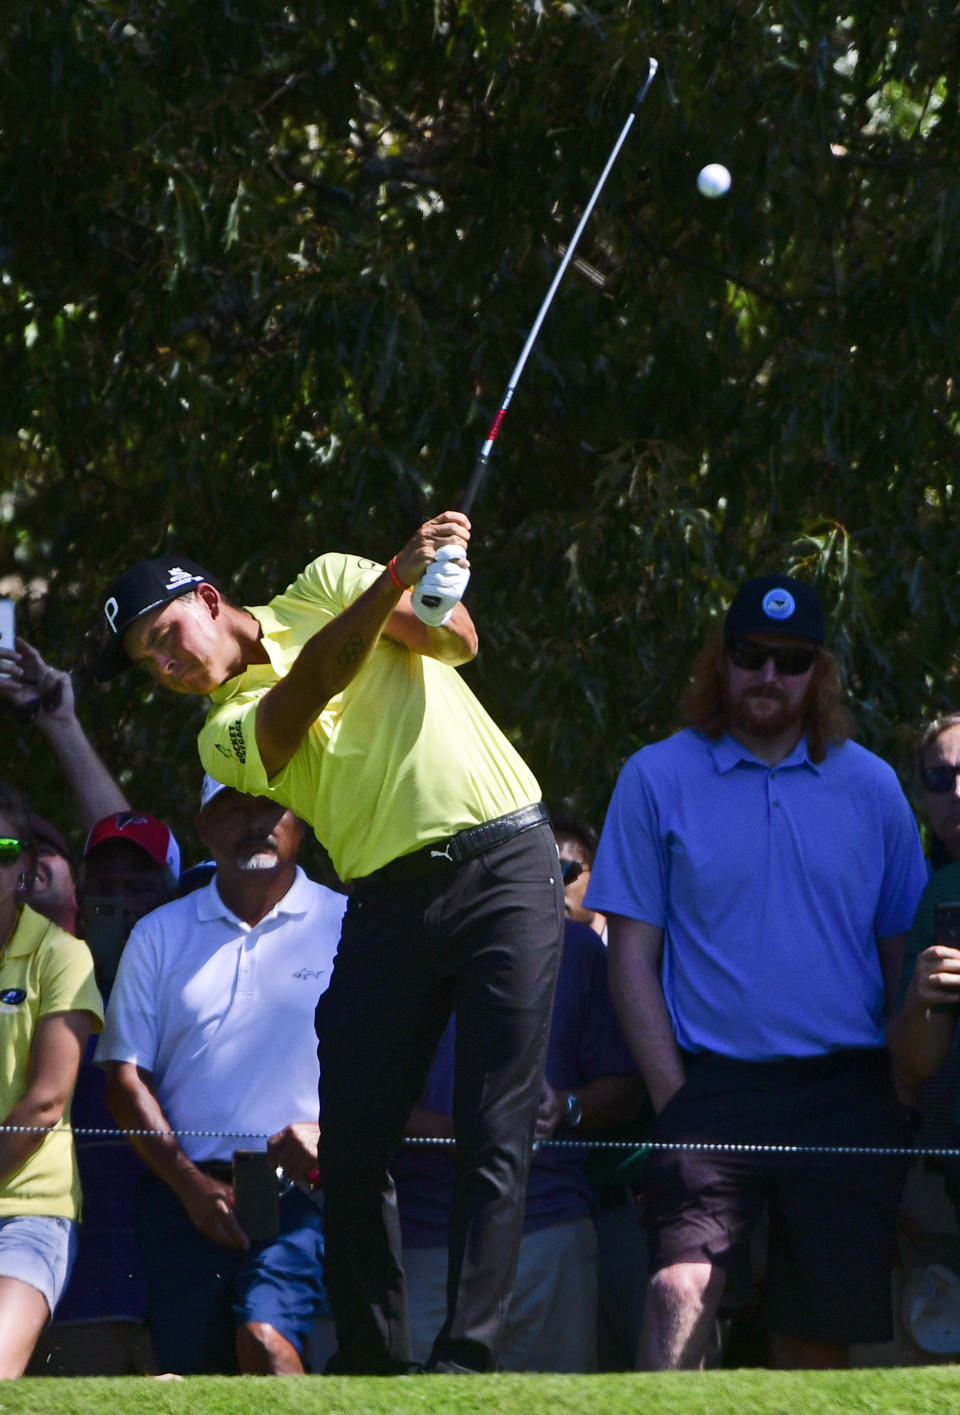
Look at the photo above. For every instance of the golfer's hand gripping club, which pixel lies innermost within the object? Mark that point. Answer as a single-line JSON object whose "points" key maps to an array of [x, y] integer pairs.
{"points": [[441, 587]]}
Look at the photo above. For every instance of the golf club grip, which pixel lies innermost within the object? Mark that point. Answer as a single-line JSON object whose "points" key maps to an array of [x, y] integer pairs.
{"points": [[477, 477]]}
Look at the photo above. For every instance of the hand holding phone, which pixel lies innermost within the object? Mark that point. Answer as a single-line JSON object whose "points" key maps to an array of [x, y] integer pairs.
{"points": [[936, 978], [31, 687]]}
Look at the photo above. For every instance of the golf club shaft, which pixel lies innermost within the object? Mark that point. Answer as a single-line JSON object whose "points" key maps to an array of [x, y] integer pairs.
{"points": [[483, 457]]}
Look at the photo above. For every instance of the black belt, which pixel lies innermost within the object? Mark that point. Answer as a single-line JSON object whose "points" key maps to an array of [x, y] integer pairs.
{"points": [[456, 849]]}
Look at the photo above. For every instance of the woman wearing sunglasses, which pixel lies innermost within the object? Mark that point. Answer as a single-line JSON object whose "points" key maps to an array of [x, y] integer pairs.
{"points": [[48, 1006], [938, 760]]}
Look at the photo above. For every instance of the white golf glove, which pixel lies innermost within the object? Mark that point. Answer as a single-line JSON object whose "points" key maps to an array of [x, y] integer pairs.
{"points": [[441, 587]]}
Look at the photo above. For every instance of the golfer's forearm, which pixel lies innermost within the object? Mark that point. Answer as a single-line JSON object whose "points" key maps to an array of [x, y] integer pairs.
{"points": [[453, 643], [326, 664], [335, 655]]}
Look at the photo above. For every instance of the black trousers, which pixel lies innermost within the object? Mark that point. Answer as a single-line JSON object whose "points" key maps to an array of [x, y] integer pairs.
{"points": [[483, 939]]}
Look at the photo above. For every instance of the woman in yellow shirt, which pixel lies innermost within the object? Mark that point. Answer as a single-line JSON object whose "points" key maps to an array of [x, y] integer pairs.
{"points": [[49, 1004]]}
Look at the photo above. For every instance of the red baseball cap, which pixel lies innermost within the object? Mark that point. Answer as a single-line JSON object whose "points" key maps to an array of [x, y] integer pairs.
{"points": [[154, 838]]}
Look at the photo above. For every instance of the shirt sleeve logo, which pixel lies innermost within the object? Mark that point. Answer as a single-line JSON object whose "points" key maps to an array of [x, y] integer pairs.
{"points": [[12, 997], [235, 732]]}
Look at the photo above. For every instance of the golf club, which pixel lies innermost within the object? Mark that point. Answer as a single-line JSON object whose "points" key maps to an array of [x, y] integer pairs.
{"points": [[480, 466], [478, 476]]}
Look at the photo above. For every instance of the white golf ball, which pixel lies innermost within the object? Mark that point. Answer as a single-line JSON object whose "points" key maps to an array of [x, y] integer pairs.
{"points": [[713, 180]]}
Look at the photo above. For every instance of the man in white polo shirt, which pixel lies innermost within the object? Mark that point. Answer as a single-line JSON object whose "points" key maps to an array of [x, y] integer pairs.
{"points": [[211, 1030]]}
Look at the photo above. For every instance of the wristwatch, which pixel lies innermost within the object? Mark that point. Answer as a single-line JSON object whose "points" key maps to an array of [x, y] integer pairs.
{"points": [[573, 1112]]}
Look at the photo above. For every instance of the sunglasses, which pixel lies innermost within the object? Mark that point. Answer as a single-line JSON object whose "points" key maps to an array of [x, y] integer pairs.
{"points": [[570, 870], [10, 849], [789, 660], [939, 779]]}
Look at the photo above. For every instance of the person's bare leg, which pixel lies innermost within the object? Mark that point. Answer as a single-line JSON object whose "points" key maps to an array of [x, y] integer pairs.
{"points": [[792, 1353], [262, 1351], [681, 1306], [23, 1315]]}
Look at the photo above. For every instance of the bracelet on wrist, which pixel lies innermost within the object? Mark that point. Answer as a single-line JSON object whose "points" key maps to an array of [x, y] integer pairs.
{"points": [[392, 572]]}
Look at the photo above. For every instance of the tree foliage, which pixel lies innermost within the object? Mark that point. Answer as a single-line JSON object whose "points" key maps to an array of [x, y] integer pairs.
{"points": [[266, 269]]}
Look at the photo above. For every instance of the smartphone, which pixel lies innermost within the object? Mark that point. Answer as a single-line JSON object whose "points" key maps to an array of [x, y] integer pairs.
{"points": [[8, 625], [947, 925], [256, 1194], [105, 932]]}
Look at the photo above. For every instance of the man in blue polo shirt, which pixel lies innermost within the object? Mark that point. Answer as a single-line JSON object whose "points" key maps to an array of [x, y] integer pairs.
{"points": [[759, 872]]}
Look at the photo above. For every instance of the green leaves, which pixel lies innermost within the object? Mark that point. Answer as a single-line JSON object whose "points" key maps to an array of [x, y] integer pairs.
{"points": [[265, 274]]}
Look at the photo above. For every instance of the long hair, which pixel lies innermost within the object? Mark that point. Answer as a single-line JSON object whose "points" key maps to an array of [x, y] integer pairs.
{"points": [[703, 704]]}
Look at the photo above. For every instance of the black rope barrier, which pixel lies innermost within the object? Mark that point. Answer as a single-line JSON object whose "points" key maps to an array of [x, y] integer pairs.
{"points": [[632, 1146]]}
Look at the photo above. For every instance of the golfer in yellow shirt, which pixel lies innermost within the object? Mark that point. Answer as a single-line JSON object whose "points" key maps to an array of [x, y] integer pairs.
{"points": [[339, 700]]}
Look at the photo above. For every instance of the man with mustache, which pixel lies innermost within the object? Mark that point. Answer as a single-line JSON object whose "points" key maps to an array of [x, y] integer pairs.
{"points": [[759, 872], [211, 1032]]}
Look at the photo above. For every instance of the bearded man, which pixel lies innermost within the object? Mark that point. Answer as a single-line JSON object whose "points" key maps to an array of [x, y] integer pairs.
{"points": [[759, 872]]}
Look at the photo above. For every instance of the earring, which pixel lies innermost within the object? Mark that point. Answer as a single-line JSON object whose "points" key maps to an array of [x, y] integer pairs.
{"points": [[25, 882]]}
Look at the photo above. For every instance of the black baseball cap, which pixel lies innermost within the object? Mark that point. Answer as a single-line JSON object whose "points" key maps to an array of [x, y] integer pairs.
{"points": [[149, 585], [775, 604]]}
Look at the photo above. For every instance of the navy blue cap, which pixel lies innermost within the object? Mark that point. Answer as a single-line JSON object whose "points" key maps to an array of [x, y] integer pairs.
{"points": [[775, 604], [150, 584]]}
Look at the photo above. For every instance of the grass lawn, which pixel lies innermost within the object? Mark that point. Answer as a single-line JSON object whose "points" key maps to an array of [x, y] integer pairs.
{"points": [[915, 1390]]}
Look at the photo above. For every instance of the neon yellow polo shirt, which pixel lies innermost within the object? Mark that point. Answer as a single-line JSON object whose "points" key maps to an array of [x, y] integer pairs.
{"points": [[42, 970], [404, 755]]}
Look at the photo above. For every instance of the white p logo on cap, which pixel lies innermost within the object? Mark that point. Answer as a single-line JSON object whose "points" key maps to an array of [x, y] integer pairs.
{"points": [[778, 604], [111, 609]]}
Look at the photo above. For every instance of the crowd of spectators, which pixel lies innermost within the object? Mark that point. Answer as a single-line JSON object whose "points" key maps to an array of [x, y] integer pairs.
{"points": [[754, 952]]}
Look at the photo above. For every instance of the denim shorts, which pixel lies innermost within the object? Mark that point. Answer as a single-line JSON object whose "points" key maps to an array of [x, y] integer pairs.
{"points": [[200, 1292], [39, 1249]]}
